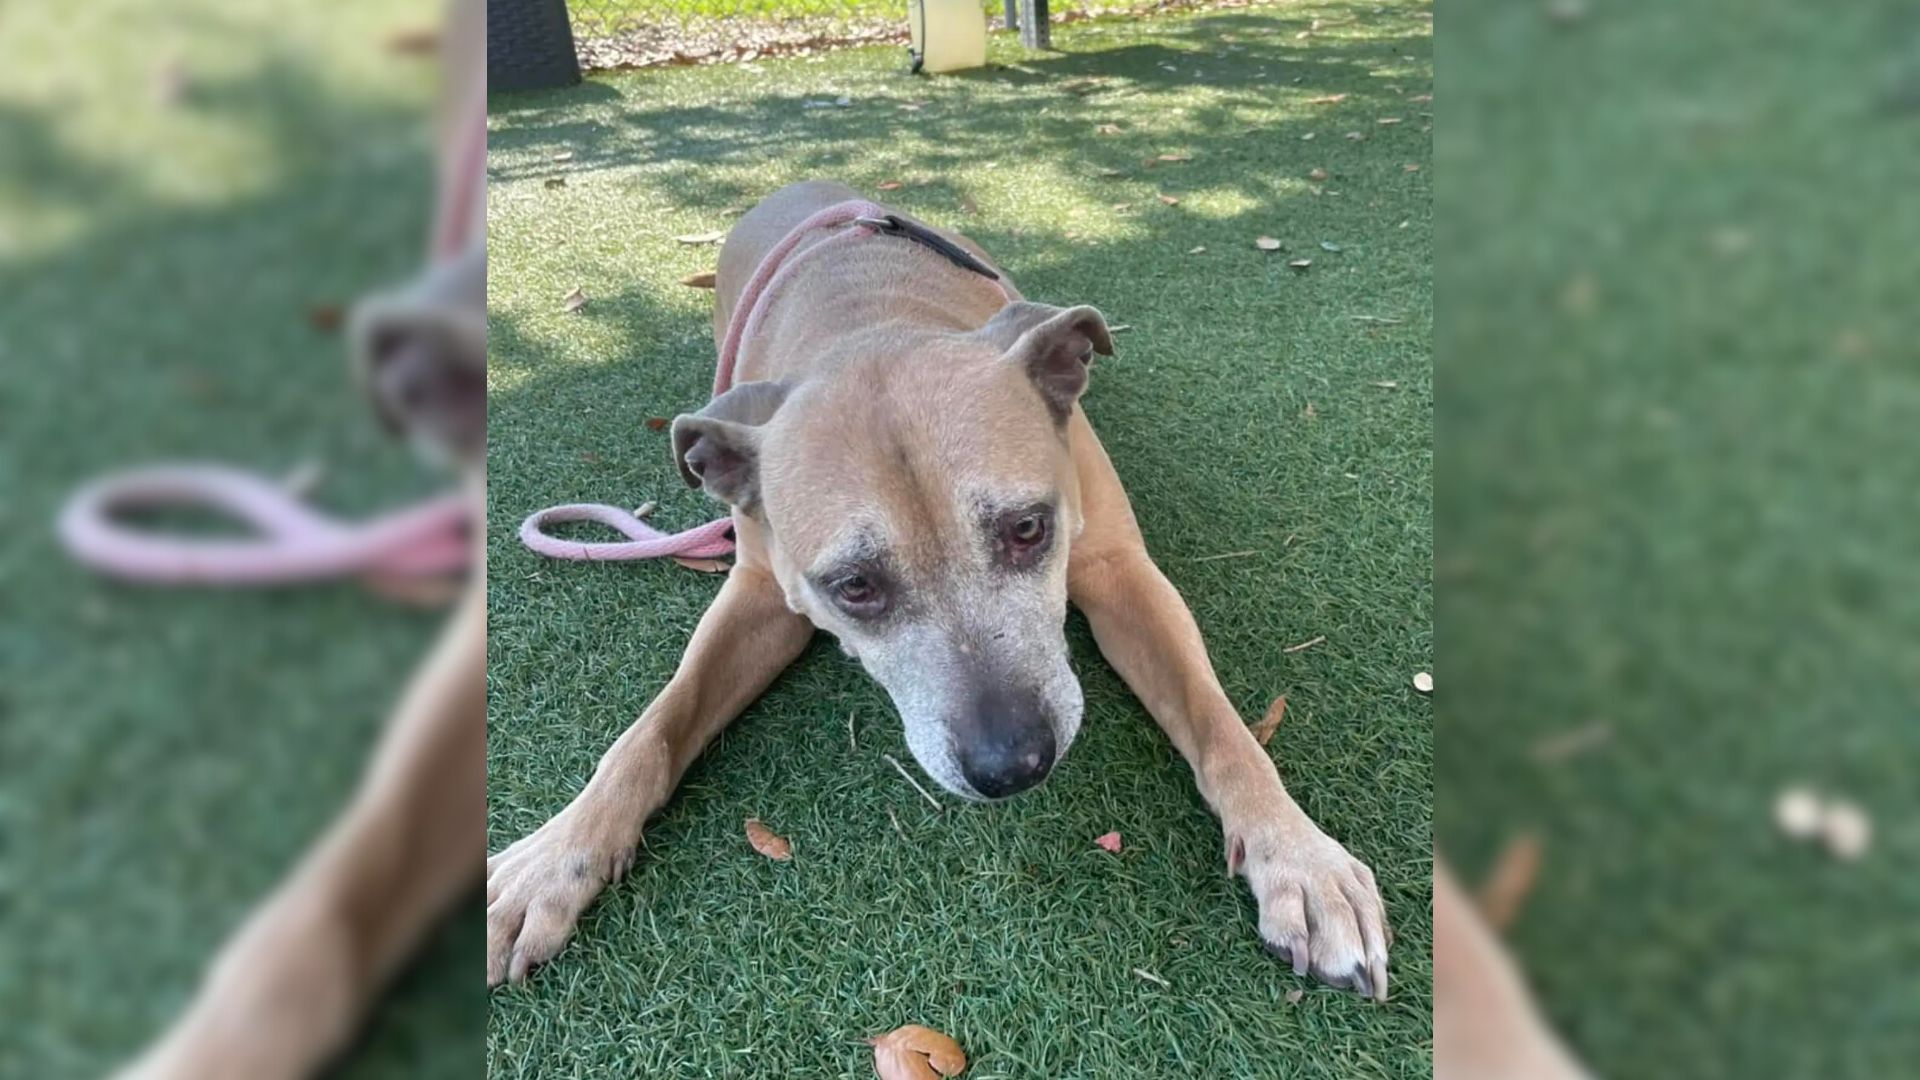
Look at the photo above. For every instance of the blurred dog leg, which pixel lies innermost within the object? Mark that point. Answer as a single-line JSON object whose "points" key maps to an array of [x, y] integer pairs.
{"points": [[290, 989], [1485, 1025]]}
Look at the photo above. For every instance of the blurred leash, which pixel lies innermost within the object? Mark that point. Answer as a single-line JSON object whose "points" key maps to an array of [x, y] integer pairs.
{"points": [[294, 542], [715, 538]]}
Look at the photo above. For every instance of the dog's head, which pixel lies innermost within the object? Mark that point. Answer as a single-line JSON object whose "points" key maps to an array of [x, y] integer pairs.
{"points": [[920, 508], [420, 354]]}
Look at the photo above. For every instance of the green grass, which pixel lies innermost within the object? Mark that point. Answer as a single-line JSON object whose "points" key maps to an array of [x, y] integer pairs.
{"points": [[165, 755], [1004, 926], [1677, 500]]}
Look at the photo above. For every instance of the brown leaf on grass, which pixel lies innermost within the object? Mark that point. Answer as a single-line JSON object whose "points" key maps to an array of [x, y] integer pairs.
{"points": [[1170, 200], [914, 1052], [1107, 129], [1327, 99], [1174, 158], [1268, 243], [574, 300], [1506, 888], [1318, 175], [890, 185], [713, 237], [1109, 841], [1388, 121], [657, 423], [912, 106], [1270, 723], [702, 280], [764, 840], [325, 318], [704, 566]]}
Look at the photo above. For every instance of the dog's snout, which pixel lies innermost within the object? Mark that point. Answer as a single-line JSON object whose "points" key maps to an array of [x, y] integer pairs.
{"points": [[1006, 744]]}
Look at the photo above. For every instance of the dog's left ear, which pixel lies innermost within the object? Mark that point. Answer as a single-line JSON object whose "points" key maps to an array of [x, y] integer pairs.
{"points": [[718, 448], [1054, 346]]}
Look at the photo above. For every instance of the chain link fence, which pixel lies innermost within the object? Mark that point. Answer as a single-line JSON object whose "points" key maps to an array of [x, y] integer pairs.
{"points": [[641, 33]]}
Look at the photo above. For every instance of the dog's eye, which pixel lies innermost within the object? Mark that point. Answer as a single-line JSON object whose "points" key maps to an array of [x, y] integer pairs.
{"points": [[859, 595], [1030, 529]]}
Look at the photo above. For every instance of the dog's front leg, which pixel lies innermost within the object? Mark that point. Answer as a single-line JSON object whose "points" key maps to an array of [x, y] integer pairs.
{"points": [[1319, 906], [538, 887]]}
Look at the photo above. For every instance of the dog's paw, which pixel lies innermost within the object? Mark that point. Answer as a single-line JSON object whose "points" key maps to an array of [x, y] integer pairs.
{"points": [[1319, 907], [538, 888]]}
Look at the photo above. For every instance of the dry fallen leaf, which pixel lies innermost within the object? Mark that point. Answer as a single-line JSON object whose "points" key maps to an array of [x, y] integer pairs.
{"points": [[1308, 137], [325, 317], [914, 1052], [657, 423], [1201, 250], [1270, 723], [890, 185], [1421, 97], [1317, 175], [1327, 99], [1268, 243], [1387, 121], [702, 280], [1506, 888], [1410, 167], [764, 840], [1170, 200], [1175, 157], [1357, 136], [574, 300], [704, 566], [1385, 384], [564, 155], [1300, 264], [1109, 841], [1107, 129], [713, 237]]}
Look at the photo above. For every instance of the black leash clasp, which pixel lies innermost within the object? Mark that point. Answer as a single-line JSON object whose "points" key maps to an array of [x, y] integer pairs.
{"points": [[892, 225]]}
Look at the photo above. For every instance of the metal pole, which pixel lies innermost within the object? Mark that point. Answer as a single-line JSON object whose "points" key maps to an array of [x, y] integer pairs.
{"points": [[1013, 14], [1035, 33]]}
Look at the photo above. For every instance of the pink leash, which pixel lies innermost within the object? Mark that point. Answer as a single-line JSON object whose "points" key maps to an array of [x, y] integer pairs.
{"points": [[711, 539], [296, 542]]}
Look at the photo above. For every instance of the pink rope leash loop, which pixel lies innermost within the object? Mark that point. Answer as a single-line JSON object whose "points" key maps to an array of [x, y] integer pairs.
{"points": [[643, 542], [296, 542]]}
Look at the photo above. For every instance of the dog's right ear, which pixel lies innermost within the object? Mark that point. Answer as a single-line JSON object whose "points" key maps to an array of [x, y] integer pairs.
{"points": [[718, 448]]}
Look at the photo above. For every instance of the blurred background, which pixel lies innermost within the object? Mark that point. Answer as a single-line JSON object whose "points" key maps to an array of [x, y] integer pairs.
{"points": [[191, 194], [1678, 536]]}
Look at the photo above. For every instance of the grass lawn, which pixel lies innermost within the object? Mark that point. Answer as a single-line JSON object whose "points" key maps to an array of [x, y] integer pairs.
{"points": [[166, 755], [1251, 407], [1678, 325]]}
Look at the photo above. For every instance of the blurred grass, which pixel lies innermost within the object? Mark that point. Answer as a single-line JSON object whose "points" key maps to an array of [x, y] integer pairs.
{"points": [[1678, 501], [165, 755], [1243, 412]]}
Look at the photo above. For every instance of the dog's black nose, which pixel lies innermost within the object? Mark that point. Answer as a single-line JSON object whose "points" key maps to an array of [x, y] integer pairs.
{"points": [[1005, 745]]}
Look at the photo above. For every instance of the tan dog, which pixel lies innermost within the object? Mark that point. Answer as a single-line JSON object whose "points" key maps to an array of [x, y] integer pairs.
{"points": [[288, 991], [909, 469]]}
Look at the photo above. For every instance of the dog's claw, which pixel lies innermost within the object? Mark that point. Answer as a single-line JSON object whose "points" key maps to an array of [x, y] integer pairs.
{"points": [[536, 892], [1319, 908]]}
